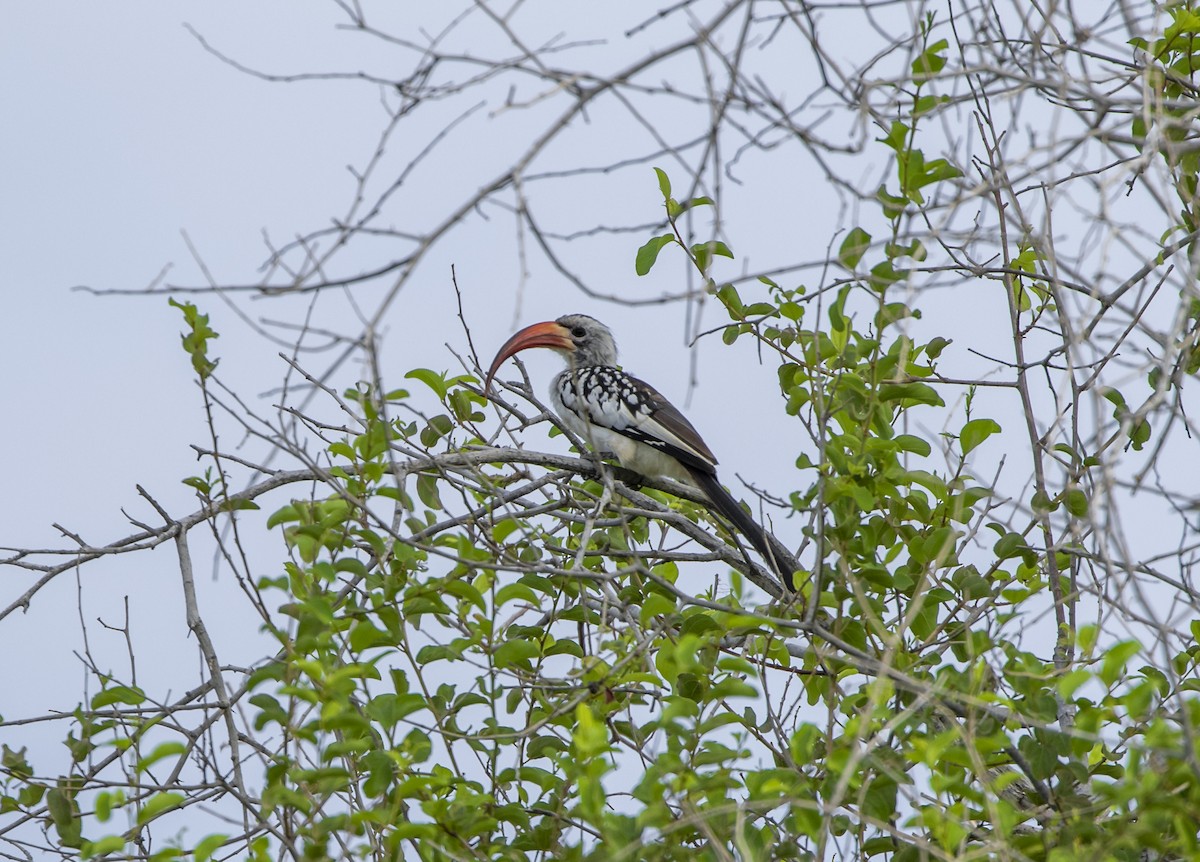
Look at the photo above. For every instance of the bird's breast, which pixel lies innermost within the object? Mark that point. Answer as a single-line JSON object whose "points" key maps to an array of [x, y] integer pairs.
{"points": [[600, 395]]}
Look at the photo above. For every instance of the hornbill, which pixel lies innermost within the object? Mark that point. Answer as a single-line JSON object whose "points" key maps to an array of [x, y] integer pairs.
{"points": [[616, 412]]}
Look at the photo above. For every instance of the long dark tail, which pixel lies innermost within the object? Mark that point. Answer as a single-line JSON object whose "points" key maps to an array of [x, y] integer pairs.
{"points": [[777, 556]]}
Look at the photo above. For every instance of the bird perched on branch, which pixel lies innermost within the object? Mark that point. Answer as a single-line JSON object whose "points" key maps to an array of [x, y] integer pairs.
{"points": [[618, 413]]}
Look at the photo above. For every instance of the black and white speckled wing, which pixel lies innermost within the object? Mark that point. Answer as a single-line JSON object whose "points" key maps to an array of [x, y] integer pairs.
{"points": [[605, 398], [618, 413]]}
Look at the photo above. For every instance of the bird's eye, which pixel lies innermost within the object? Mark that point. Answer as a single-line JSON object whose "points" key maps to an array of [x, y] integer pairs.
{"points": [[578, 332]]}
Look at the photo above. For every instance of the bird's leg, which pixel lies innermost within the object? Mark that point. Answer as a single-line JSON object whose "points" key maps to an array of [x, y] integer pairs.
{"points": [[597, 458], [603, 455], [609, 464]]}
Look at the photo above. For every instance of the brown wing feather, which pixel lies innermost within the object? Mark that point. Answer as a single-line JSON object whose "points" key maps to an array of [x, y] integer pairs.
{"points": [[664, 413]]}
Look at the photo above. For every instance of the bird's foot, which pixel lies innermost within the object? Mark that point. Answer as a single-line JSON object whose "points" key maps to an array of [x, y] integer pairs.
{"points": [[598, 458], [605, 461]]}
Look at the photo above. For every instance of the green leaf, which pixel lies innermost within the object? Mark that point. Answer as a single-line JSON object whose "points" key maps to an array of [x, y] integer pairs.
{"points": [[911, 393], [975, 432], [911, 443], [208, 846], [930, 62], [897, 137], [792, 311], [1010, 545], [106, 845], [427, 490], [15, 763], [705, 251], [463, 590], [664, 183], [1041, 502], [656, 604], [891, 312], [853, 247], [1115, 660], [162, 750], [159, 803], [591, 736], [1139, 434], [436, 382], [716, 248], [517, 651], [118, 694], [238, 505], [648, 254], [1086, 637], [437, 652], [389, 709], [65, 815], [893, 205], [729, 298], [938, 170], [200, 484], [884, 275], [503, 529], [692, 686], [516, 592], [545, 746], [195, 341], [1071, 681], [1077, 502], [937, 545], [365, 635], [282, 516], [926, 104]]}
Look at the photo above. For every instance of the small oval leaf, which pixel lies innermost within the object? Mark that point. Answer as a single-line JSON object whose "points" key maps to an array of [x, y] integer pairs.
{"points": [[975, 432], [648, 254]]}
